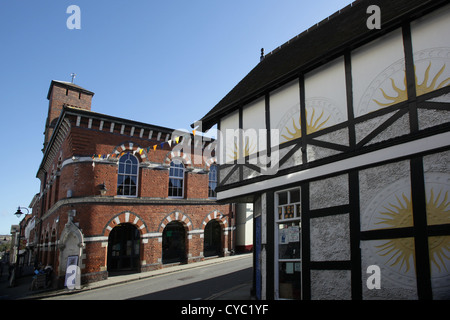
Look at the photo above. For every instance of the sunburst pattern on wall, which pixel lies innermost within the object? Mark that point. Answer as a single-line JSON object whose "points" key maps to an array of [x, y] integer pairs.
{"points": [[421, 88], [249, 148], [398, 215], [313, 124]]}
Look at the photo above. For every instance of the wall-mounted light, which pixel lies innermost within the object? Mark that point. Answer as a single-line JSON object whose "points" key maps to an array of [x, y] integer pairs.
{"points": [[103, 189]]}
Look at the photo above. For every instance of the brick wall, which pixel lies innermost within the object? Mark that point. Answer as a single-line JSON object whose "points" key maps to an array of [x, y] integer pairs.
{"points": [[71, 176], [61, 94]]}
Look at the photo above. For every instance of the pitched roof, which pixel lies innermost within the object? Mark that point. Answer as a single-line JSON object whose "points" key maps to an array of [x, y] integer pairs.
{"points": [[344, 30]]}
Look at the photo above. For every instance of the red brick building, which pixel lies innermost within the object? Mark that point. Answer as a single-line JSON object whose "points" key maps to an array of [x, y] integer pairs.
{"points": [[118, 195]]}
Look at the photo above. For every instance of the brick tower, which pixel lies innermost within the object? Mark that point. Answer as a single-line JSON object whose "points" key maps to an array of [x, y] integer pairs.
{"points": [[63, 93]]}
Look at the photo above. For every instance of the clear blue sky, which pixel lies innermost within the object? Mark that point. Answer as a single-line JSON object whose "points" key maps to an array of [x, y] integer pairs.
{"points": [[161, 62]]}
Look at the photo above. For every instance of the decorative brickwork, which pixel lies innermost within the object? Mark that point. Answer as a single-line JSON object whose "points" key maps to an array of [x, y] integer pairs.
{"points": [[79, 205]]}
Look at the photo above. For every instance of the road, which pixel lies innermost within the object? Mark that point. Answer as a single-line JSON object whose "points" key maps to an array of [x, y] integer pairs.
{"points": [[195, 283]]}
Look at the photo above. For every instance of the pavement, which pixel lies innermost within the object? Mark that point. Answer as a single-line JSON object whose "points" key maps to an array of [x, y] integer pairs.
{"points": [[21, 290]]}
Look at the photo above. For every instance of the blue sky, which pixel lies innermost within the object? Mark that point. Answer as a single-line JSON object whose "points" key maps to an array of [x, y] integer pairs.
{"points": [[161, 62]]}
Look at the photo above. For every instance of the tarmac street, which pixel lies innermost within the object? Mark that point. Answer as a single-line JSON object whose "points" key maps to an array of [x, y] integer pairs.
{"points": [[190, 276]]}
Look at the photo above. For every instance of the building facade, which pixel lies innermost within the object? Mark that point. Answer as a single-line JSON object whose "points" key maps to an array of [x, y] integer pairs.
{"points": [[340, 139], [119, 195]]}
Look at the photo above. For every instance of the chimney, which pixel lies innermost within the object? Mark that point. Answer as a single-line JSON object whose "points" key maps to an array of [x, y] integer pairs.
{"points": [[59, 94], [262, 55]]}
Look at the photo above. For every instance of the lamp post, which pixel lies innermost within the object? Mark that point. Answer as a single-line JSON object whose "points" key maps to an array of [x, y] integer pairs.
{"points": [[18, 214]]}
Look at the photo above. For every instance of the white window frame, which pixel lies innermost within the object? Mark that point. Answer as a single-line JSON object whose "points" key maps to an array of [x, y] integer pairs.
{"points": [[177, 177], [124, 174], [296, 218]]}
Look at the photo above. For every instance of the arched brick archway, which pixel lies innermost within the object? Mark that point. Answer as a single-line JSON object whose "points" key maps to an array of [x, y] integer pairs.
{"points": [[174, 229], [124, 248], [129, 146], [185, 158], [214, 215], [116, 257], [214, 235], [176, 216], [125, 217], [213, 239]]}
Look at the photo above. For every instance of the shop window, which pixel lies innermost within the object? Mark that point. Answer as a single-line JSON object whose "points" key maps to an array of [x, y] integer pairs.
{"points": [[176, 179], [288, 245], [127, 180]]}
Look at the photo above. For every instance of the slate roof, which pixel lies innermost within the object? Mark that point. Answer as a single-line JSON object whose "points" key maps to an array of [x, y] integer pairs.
{"points": [[328, 39]]}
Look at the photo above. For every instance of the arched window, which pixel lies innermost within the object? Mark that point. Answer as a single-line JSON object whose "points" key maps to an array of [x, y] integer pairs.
{"points": [[176, 179], [127, 180], [212, 181]]}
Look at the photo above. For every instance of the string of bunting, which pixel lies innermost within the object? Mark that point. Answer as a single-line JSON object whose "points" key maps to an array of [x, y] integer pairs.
{"points": [[139, 150]]}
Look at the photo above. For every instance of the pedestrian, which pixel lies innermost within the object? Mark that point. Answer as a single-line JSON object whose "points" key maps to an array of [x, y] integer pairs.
{"points": [[37, 271], [48, 270]]}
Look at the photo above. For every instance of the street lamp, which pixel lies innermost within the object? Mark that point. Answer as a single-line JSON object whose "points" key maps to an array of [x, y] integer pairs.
{"points": [[18, 214]]}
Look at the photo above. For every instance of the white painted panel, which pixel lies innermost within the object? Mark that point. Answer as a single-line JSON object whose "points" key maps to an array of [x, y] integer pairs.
{"points": [[378, 74], [228, 136], [244, 224], [253, 120], [285, 111], [431, 49], [325, 95]]}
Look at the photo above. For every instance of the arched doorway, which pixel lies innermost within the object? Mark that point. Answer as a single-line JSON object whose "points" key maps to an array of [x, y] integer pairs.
{"points": [[123, 248], [174, 243], [212, 243]]}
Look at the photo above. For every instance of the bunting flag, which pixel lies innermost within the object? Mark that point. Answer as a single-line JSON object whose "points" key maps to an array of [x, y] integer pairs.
{"points": [[138, 150]]}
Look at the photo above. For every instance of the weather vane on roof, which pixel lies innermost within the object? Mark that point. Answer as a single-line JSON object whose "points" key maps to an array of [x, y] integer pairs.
{"points": [[73, 75]]}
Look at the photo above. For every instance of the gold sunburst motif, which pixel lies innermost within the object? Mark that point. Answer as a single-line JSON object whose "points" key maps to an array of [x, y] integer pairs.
{"points": [[422, 88], [249, 148], [399, 215], [311, 125], [438, 212]]}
